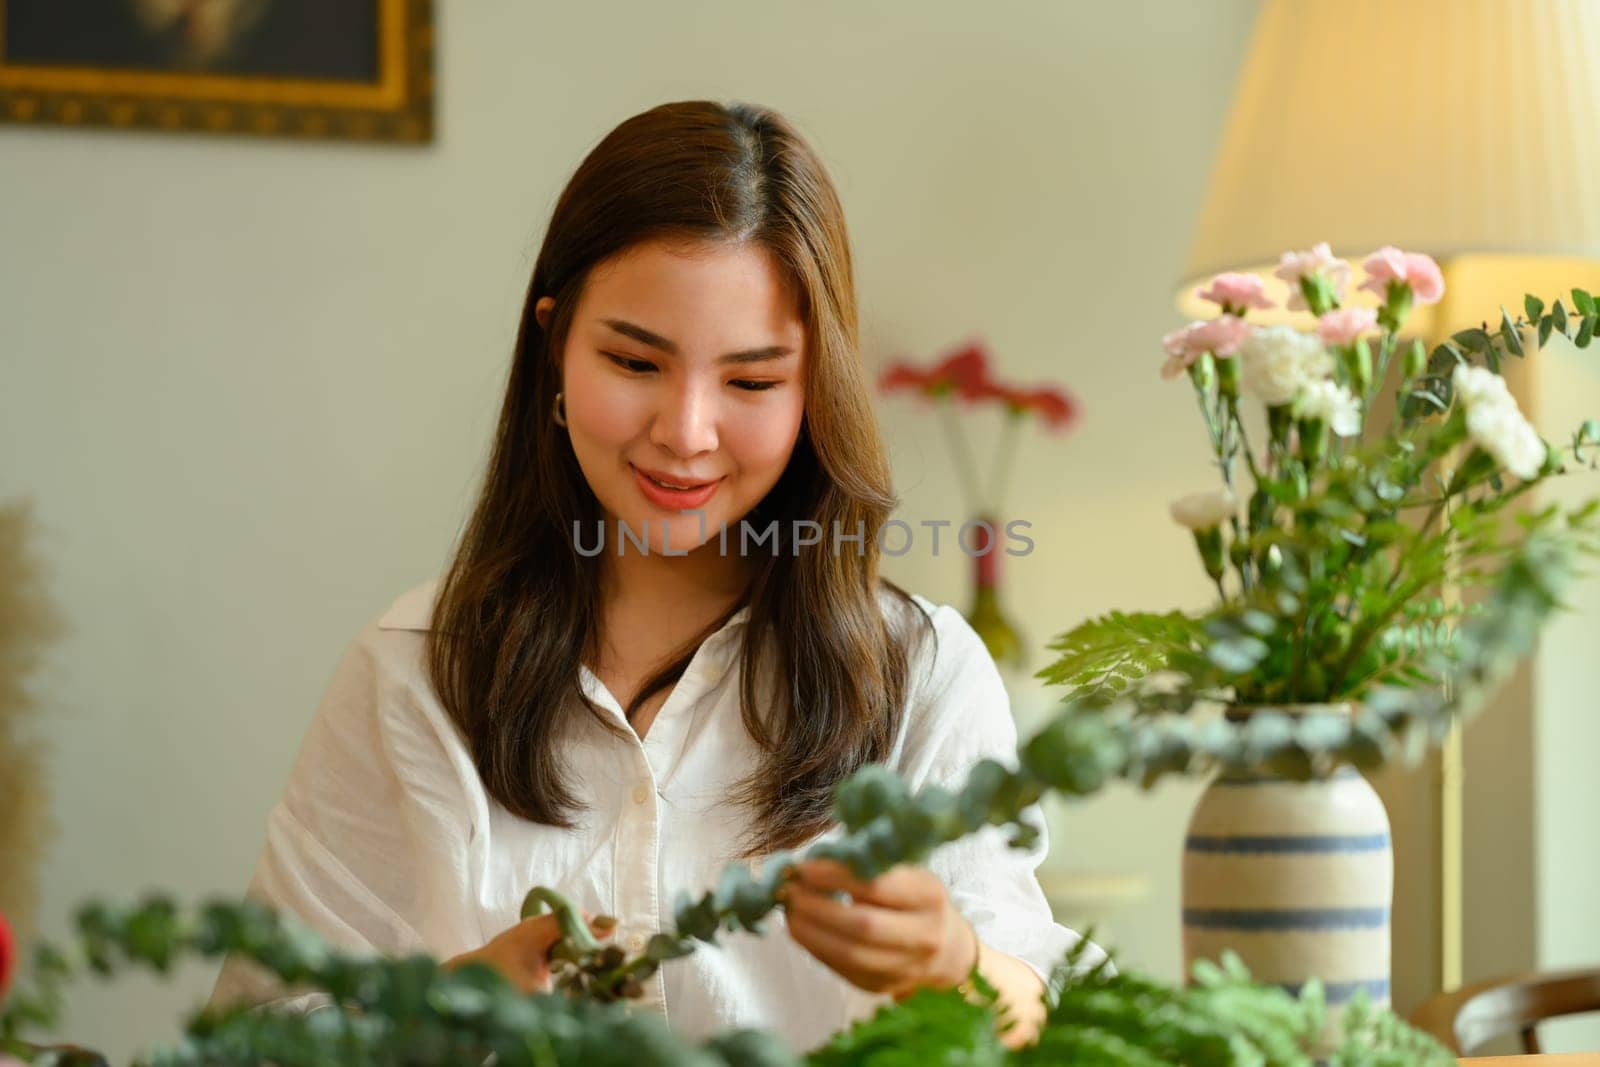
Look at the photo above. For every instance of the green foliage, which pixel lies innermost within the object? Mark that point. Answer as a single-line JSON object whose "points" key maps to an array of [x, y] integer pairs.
{"points": [[1101, 657], [410, 1011], [1223, 1019], [37, 1004], [930, 1026], [397, 1011]]}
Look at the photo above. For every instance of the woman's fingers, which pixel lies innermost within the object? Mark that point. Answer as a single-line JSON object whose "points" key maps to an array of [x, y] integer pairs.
{"points": [[901, 887], [522, 952], [869, 924], [893, 934], [871, 967]]}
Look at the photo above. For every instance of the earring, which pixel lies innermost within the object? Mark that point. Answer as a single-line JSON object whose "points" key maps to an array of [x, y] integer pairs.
{"points": [[559, 412]]}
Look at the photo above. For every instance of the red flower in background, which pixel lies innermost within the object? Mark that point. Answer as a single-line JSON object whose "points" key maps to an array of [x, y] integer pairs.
{"points": [[1053, 405], [965, 373], [7, 956]]}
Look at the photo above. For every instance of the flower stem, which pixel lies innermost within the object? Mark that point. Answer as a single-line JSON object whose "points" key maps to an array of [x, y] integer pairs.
{"points": [[1000, 479], [1244, 443], [966, 471]]}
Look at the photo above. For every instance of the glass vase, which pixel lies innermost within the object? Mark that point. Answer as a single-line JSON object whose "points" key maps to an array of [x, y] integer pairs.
{"points": [[986, 616]]}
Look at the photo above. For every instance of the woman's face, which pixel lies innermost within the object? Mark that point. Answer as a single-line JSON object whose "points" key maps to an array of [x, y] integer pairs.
{"points": [[683, 366]]}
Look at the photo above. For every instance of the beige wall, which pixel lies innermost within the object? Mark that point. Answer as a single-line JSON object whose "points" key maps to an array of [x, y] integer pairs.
{"points": [[249, 386], [1566, 793]]}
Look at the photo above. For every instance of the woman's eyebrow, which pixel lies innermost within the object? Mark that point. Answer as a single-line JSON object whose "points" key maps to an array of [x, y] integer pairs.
{"points": [[656, 341]]}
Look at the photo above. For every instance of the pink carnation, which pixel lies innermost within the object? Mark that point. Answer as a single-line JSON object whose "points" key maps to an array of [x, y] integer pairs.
{"points": [[1292, 266], [1233, 290], [1419, 272], [1220, 336], [1341, 326]]}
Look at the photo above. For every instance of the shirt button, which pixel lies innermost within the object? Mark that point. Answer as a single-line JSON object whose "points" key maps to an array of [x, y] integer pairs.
{"points": [[641, 793]]}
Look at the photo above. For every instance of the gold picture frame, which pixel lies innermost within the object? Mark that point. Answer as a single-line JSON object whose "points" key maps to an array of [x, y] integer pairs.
{"points": [[388, 98]]}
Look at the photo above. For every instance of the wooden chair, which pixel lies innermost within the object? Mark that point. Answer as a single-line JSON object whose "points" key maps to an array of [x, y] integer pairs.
{"points": [[1465, 1019]]}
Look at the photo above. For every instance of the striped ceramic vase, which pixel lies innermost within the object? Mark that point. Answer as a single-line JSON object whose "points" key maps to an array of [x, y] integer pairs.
{"points": [[1296, 878]]}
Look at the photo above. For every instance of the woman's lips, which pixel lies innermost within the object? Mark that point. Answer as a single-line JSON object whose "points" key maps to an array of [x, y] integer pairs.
{"points": [[673, 499]]}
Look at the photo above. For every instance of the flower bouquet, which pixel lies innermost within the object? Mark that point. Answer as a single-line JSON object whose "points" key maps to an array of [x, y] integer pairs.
{"points": [[1346, 557], [1330, 539], [964, 378]]}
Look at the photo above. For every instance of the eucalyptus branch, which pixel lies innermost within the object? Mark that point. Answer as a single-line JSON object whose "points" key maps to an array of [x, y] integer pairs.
{"points": [[381, 1011]]}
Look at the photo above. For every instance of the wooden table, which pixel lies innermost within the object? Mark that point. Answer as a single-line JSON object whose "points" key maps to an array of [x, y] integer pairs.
{"points": [[1571, 1059]]}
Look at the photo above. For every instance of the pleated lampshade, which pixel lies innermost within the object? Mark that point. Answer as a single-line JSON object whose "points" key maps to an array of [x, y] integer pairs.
{"points": [[1459, 128]]}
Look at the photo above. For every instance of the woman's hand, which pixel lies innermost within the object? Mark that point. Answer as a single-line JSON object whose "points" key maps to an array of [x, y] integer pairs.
{"points": [[897, 934], [522, 953]]}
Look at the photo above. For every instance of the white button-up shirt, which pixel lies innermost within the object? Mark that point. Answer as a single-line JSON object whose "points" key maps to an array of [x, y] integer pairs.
{"points": [[385, 840]]}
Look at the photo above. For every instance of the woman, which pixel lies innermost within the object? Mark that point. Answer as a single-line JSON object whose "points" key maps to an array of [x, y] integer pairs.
{"points": [[644, 662]]}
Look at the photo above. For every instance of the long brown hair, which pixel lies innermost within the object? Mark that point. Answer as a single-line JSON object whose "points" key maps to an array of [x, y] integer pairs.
{"points": [[517, 612]]}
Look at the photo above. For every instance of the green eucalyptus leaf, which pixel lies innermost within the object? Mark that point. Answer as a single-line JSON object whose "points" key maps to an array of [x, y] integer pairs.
{"points": [[1509, 331], [1237, 655]]}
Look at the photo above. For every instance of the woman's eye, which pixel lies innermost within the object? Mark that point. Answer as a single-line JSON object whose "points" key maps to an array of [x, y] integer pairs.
{"points": [[637, 366], [643, 366]]}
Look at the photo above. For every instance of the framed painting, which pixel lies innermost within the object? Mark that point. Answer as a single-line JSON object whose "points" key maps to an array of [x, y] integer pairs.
{"points": [[349, 69]]}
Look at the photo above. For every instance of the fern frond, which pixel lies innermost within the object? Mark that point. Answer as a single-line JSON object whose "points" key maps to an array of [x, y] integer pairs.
{"points": [[1101, 657]]}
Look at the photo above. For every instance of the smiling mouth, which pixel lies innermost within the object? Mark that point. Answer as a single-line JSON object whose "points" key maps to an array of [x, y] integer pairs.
{"points": [[669, 485], [678, 486]]}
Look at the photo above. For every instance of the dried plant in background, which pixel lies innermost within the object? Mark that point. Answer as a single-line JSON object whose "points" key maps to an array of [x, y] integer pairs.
{"points": [[28, 624]]}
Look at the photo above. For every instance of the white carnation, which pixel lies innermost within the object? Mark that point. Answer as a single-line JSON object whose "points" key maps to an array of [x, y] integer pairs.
{"points": [[1496, 424], [1202, 511], [1475, 385], [1501, 431], [1331, 403], [1278, 361]]}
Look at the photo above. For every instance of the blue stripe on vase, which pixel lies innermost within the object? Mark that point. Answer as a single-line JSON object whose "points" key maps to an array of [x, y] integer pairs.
{"points": [[1344, 774], [1265, 920], [1286, 843], [1345, 992]]}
